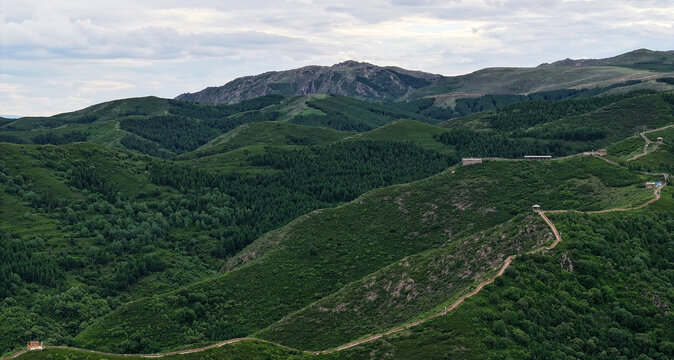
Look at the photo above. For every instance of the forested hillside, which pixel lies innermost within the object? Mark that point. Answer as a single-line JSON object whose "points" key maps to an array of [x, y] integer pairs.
{"points": [[604, 293], [110, 226], [320, 253]]}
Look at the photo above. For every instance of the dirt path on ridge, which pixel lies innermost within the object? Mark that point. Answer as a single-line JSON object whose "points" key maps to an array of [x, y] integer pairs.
{"points": [[648, 142]]}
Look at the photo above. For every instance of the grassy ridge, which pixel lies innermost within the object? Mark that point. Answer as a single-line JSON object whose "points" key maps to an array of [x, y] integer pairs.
{"points": [[660, 157], [603, 293], [319, 254], [528, 80], [267, 133], [407, 288], [623, 118], [407, 130]]}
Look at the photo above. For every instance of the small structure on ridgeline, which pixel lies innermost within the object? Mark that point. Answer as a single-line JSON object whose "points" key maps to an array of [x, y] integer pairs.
{"points": [[471, 161], [536, 208], [600, 152], [659, 140], [651, 185], [34, 345], [537, 157]]}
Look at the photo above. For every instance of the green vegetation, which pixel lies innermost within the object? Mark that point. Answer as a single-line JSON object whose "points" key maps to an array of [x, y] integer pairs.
{"points": [[318, 254], [603, 293], [561, 127], [267, 133], [417, 132], [408, 288], [343, 113], [249, 349], [660, 157], [121, 226], [530, 80]]}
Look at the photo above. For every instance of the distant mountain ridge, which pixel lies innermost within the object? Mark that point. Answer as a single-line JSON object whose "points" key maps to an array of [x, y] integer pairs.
{"points": [[382, 84], [629, 59], [350, 78]]}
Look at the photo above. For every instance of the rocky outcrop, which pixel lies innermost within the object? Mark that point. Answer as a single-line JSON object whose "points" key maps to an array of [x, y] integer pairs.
{"points": [[350, 78]]}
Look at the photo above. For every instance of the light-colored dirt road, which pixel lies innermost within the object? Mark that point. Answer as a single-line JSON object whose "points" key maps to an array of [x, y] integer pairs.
{"points": [[648, 142]]}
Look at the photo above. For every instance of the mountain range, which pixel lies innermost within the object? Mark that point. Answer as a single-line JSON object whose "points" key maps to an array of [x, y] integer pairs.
{"points": [[375, 83]]}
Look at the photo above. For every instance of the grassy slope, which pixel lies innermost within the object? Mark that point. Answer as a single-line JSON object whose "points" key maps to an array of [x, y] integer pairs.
{"points": [[266, 133], [320, 253], [574, 308], [528, 80], [622, 119], [619, 121], [408, 288], [470, 332], [407, 130], [238, 145]]}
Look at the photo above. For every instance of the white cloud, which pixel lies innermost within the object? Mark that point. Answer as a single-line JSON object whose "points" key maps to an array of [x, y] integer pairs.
{"points": [[69, 54]]}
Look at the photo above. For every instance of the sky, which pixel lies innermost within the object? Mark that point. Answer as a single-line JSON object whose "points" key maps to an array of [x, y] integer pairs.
{"points": [[59, 56]]}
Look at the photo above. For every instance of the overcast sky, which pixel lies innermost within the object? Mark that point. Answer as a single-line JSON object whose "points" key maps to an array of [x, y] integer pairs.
{"points": [[58, 56]]}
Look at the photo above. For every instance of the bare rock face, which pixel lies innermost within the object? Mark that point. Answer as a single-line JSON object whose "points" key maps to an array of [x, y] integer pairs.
{"points": [[350, 78]]}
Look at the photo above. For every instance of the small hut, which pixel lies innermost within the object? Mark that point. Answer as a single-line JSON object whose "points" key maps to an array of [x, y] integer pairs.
{"points": [[659, 140], [471, 161], [536, 208], [651, 185], [34, 345]]}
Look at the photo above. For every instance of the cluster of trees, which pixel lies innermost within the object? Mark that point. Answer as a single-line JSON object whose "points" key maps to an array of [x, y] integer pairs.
{"points": [[494, 144], [341, 171], [207, 111], [309, 178], [11, 139], [527, 114], [139, 144], [176, 133], [179, 134], [666, 80], [344, 113], [25, 264], [56, 139], [299, 140], [577, 134], [467, 106], [605, 296]]}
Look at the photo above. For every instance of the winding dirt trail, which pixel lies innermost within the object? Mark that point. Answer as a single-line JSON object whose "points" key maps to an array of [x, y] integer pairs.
{"points": [[379, 335], [648, 141]]}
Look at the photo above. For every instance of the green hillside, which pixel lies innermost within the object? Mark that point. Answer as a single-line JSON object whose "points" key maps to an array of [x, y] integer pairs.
{"points": [[572, 302], [417, 132], [267, 133], [92, 227], [603, 293], [530, 80], [318, 254], [416, 285], [561, 127]]}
